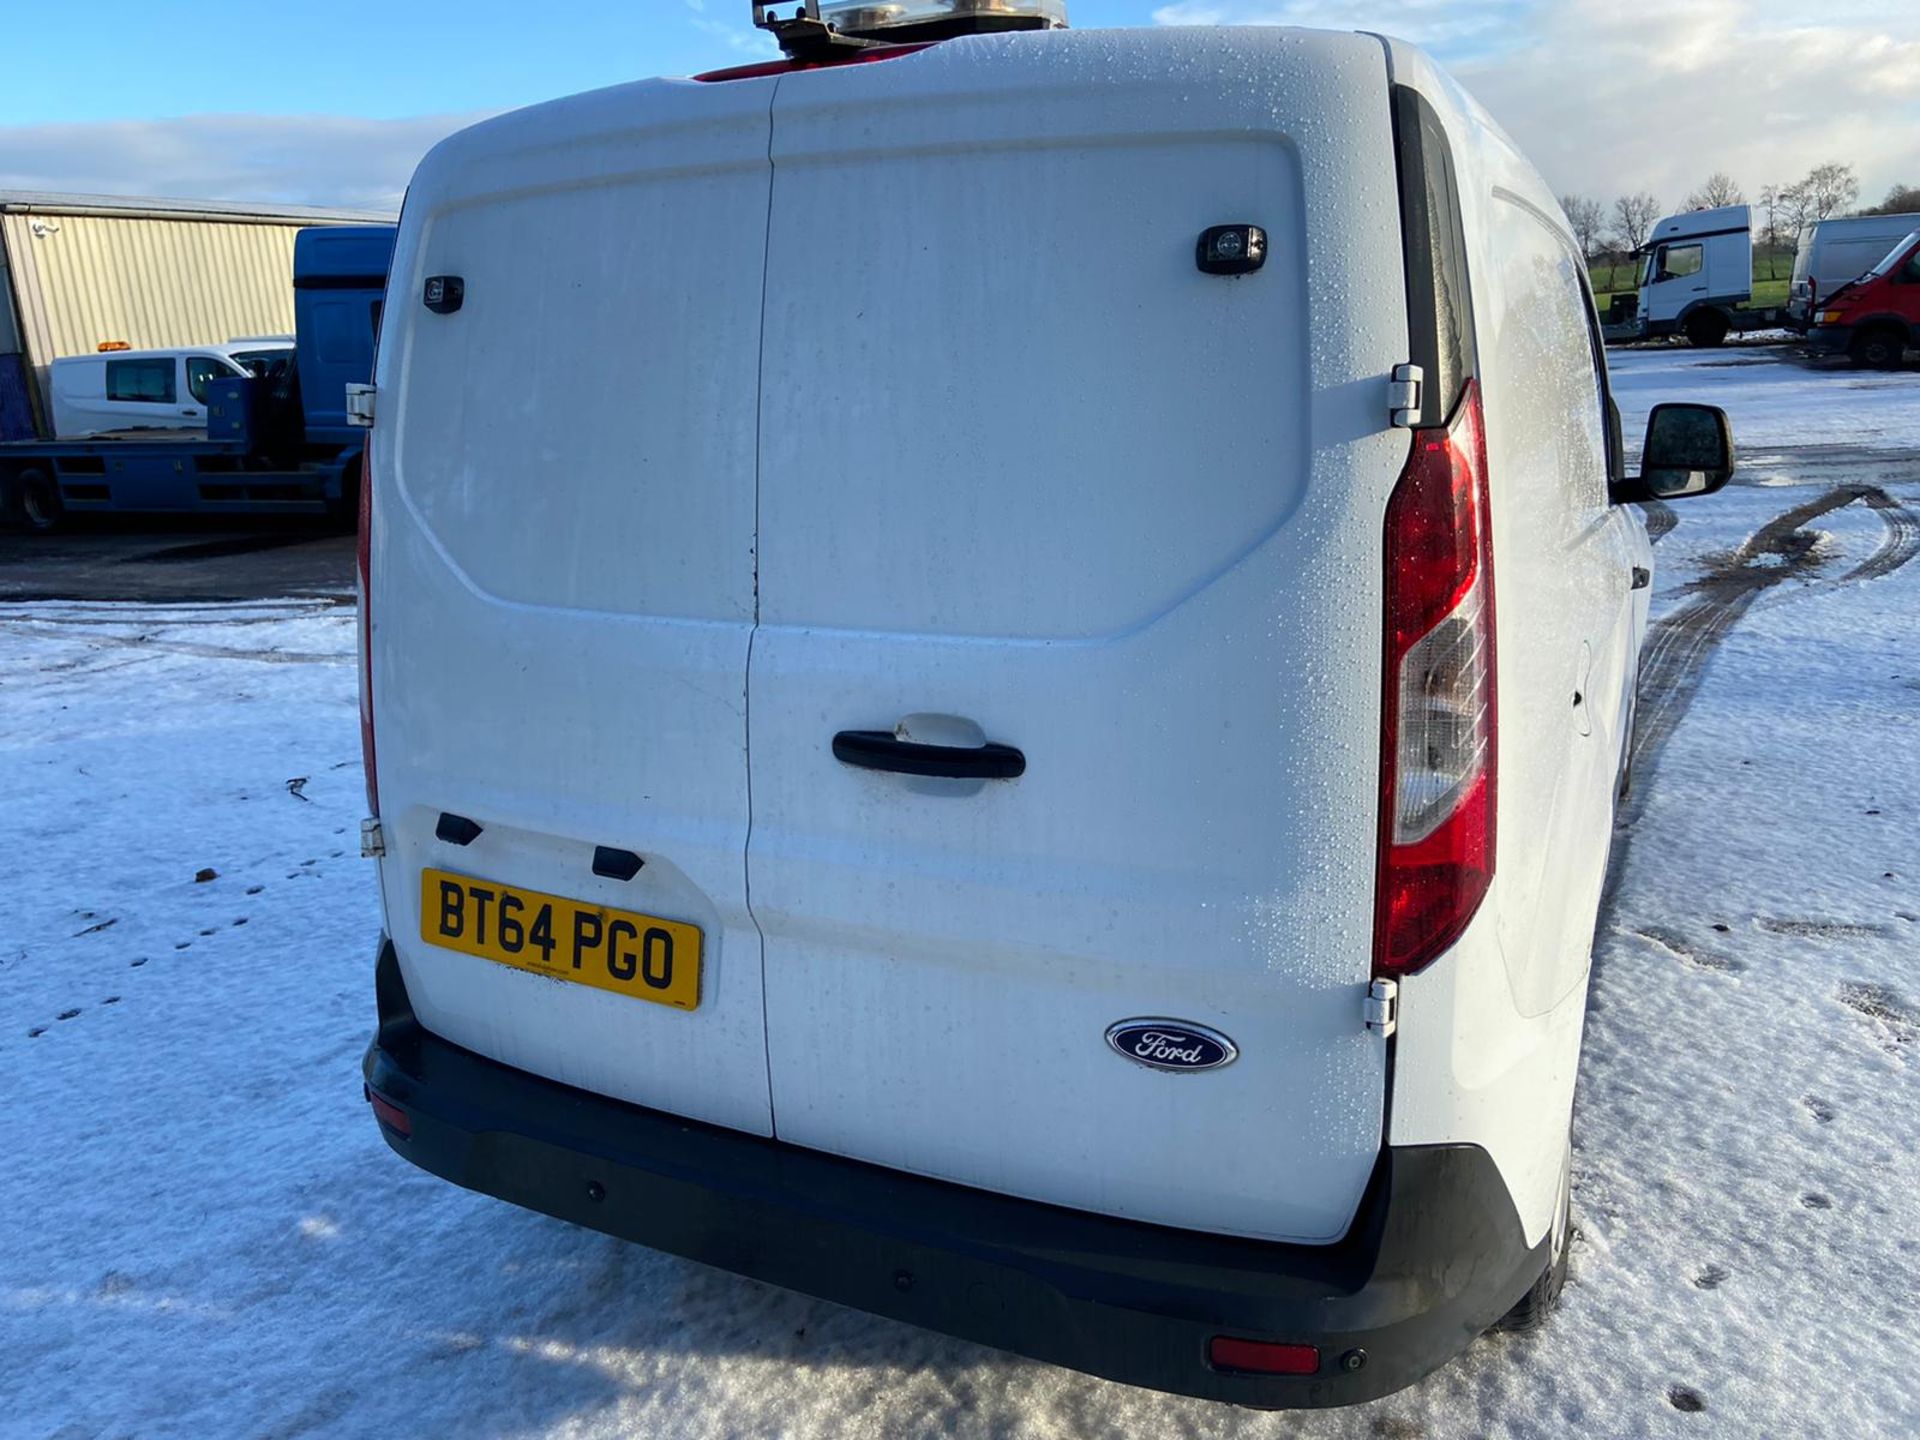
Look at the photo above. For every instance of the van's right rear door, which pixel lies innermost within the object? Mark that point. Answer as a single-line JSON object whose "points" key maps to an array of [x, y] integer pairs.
{"points": [[1028, 476]]}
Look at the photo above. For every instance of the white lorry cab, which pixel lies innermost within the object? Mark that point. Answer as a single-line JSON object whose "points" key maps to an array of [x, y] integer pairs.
{"points": [[1040, 759], [1833, 252], [1696, 278], [120, 389]]}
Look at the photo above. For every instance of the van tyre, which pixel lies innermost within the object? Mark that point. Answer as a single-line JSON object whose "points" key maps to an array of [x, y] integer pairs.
{"points": [[1879, 347], [40, 507], [1530, 1312], [1707, 328]]}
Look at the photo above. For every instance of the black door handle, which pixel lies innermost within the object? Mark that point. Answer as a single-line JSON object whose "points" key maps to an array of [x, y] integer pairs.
{"points": [[883, 750], [1642, 577]]}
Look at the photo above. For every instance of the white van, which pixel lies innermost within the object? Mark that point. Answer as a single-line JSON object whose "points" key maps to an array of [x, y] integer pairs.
{"points": [[147, 389], [1042, 762], [1832, 252]]}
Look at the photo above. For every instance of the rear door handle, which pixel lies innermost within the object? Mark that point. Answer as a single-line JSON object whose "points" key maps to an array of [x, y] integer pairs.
{"points": [[1642, 577], [882, 750]]}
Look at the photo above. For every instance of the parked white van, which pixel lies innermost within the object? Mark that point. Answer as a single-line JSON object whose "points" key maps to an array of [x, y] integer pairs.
{"points": [[147, 389], [1042, 764], [1832, 252]]}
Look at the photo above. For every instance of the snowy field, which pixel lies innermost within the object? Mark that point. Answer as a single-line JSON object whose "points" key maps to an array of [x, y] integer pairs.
{"points": [[205, 1236]]}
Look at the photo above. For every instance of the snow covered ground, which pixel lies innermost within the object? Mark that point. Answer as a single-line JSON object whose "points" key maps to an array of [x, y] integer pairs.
{"points": [[205, 1236]]}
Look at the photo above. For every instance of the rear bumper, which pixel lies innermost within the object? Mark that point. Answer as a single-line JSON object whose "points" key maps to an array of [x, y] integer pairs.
{"points": [[1435, 1255]]}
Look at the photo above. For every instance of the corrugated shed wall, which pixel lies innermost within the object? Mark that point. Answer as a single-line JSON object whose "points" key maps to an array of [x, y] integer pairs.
{"points": [[84, 279]]}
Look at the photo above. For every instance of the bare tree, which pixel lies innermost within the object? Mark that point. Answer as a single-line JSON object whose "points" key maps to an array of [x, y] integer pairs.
{"points": [[1633, 217], [1588, 217], [1901, 199], [1718, 190], [1830, 187], [1792, 211], [1769, 235]]}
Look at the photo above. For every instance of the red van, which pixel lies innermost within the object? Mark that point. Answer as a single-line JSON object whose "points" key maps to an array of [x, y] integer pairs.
{"points": [[1875, 319]]}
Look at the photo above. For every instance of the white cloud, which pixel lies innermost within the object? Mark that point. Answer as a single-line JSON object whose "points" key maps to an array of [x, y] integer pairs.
{"points": [[1607, 97], [299, 159]]}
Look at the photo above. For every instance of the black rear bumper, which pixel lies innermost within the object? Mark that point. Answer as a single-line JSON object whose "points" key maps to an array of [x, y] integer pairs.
{"points": [[1434, 1256]]}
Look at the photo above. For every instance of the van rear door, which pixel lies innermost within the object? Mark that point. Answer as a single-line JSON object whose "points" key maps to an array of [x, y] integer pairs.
{"points": [[1029, 477], [562, 578]]}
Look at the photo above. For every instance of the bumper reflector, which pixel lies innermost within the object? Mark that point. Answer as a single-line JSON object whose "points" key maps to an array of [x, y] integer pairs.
{"points": [[390, 1115], [1262, 1357]]}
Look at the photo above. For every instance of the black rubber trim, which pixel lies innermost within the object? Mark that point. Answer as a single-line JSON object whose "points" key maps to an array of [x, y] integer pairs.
{"points": [[883, 750], [1669, 240], [1440, 330], [340, 282], [1434, 1255], [614, 864], [456, 829]]}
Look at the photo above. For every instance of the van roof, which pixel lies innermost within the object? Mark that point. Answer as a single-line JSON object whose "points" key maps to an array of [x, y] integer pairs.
{"points": [[1717, 221], [1895, 225], [226, 349]]}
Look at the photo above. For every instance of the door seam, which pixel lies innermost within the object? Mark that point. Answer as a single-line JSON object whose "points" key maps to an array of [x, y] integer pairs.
{"points": [[753, 632]]}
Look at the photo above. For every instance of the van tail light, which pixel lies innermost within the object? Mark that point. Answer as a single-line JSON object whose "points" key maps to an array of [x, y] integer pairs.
{"points": [[363, 565], [1439, 724]]}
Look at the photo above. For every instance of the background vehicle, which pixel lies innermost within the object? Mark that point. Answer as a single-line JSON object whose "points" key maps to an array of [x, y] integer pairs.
{"points": [[1697, 279], [991, 873], [1876, 318], [1833, 252], [144, 389], [80, 270], [280, 441]]}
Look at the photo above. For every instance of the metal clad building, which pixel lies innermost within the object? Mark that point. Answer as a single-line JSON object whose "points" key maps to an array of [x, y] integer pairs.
{"points": [[77, 271]]}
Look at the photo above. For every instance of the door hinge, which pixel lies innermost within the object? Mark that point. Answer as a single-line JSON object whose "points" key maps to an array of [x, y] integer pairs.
{"points": [[1403, 395], [373, 840], [360, 406], [1382, 1007]]}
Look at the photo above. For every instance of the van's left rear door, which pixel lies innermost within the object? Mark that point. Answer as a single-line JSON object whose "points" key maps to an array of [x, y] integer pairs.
{"points": [[563, 590]]}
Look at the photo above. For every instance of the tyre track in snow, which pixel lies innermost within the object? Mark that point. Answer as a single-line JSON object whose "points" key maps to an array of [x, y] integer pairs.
{"points": [[1678, 645], [1673, 662], [1901, 544]]}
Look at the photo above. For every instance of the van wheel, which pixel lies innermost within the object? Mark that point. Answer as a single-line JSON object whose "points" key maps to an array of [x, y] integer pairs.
{"points": [[1533, 1308], [40, 503], [1879, 348], [1707, 328]]}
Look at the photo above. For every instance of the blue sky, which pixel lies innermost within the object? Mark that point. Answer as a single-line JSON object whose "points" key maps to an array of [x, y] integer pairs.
{"points": [[415, 58], [329, 103]]}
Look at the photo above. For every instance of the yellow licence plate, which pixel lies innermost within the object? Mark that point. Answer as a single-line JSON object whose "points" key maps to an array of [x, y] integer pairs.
{"points": [[618, 950]]}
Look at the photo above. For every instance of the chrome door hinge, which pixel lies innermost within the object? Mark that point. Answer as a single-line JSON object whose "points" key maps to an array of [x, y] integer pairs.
{"points": [[373, 840], [1382, 1007], [1403, 395], [360, 406]]}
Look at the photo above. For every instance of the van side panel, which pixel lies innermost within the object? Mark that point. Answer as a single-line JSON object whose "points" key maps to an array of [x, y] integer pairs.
{"points": [[563, 552], [1488, 1044], [1026, 468]]}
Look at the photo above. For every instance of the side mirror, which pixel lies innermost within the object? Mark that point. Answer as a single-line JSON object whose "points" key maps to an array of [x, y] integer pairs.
{"points": [[1688, 451]]}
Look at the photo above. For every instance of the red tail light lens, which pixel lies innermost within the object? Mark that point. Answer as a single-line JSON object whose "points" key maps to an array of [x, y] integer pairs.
{"points": [[1262, 1357], [364, 568], [1439, 719]]}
